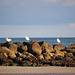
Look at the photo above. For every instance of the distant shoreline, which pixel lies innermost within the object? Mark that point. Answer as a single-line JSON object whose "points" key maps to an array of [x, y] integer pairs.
{"points": [[36, 70], [38, 37]]}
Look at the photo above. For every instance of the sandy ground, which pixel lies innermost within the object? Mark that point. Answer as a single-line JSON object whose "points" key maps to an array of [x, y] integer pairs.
{"points": [[34, 70]]}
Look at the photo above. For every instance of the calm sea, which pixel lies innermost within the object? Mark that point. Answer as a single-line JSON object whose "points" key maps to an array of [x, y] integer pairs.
{"points": [[50, 41]]}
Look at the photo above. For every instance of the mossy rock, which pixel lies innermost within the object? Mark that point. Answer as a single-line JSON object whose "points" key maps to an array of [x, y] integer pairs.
{"points": [[13, 64]]}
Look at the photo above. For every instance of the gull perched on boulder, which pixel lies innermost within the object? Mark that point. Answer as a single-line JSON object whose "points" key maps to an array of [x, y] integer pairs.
{"points": [[27, 38], [58, 40], [8, 40]]}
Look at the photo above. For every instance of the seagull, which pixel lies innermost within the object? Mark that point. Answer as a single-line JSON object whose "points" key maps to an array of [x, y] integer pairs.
{"points": [[58, 40], [8, 40], [27, 38]]}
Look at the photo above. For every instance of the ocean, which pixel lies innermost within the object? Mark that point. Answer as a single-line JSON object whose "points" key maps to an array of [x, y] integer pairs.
{"points": [[50, 41]]}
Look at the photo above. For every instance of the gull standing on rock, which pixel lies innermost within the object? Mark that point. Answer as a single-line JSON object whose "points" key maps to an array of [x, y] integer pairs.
{"points": [[58, 40], [8, 40], [27, 38]]}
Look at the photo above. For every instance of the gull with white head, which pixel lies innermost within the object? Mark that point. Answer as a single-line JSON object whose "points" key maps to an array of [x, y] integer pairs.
{"points": [[27, 38], [8, 40], [58, 40]]}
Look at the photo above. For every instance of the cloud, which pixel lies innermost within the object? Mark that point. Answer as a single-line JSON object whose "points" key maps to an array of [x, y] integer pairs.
{"points": [[72, 25]]}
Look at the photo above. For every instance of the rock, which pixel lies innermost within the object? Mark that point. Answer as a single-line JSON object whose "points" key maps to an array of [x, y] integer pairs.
{"points": [[3, 55], [43, 44], [71, 46], [69, 54], [1, 44], [8, 52], [4, 50], [30, 57], [32, 41], [72, 50], [68, 59], [58, 57], [5, 62], [26, 63], [11, 46], [72, 64], [18, 44], [50, 47], [45, 62], [40, 57], [51, 54], [18, 54], [18, 60], [22, 48], [73, 58], [47, 56], [58, 63], [59, 47], [35, 49], [46, 50], [59, 53], [11, 54], [27, 43]]}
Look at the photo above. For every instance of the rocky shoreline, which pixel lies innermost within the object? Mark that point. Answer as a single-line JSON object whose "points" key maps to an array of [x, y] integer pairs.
{"points": [[35, 53]]}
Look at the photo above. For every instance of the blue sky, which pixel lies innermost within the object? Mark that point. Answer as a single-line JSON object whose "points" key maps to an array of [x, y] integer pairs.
{"points": [[37, 18]]}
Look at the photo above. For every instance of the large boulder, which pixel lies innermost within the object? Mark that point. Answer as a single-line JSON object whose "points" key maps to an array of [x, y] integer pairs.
{"points": [[4, 50], [50, 47], [43, 44], [11, 46], [35, 48], [18, 44], [8, 52], [59, 47], [32, 41]]}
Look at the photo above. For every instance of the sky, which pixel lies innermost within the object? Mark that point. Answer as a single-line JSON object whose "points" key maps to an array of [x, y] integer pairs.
{"points": [[37, 18]]}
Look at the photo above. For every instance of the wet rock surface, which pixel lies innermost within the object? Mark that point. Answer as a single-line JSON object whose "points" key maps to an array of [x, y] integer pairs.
{"points": [[35, 53]]}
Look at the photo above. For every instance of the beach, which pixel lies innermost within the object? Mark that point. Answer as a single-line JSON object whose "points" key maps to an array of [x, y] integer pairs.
{"points": [[36, 70]]}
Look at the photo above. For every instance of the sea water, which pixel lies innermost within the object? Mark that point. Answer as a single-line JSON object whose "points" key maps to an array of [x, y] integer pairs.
{"points": [[50, 41]]}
